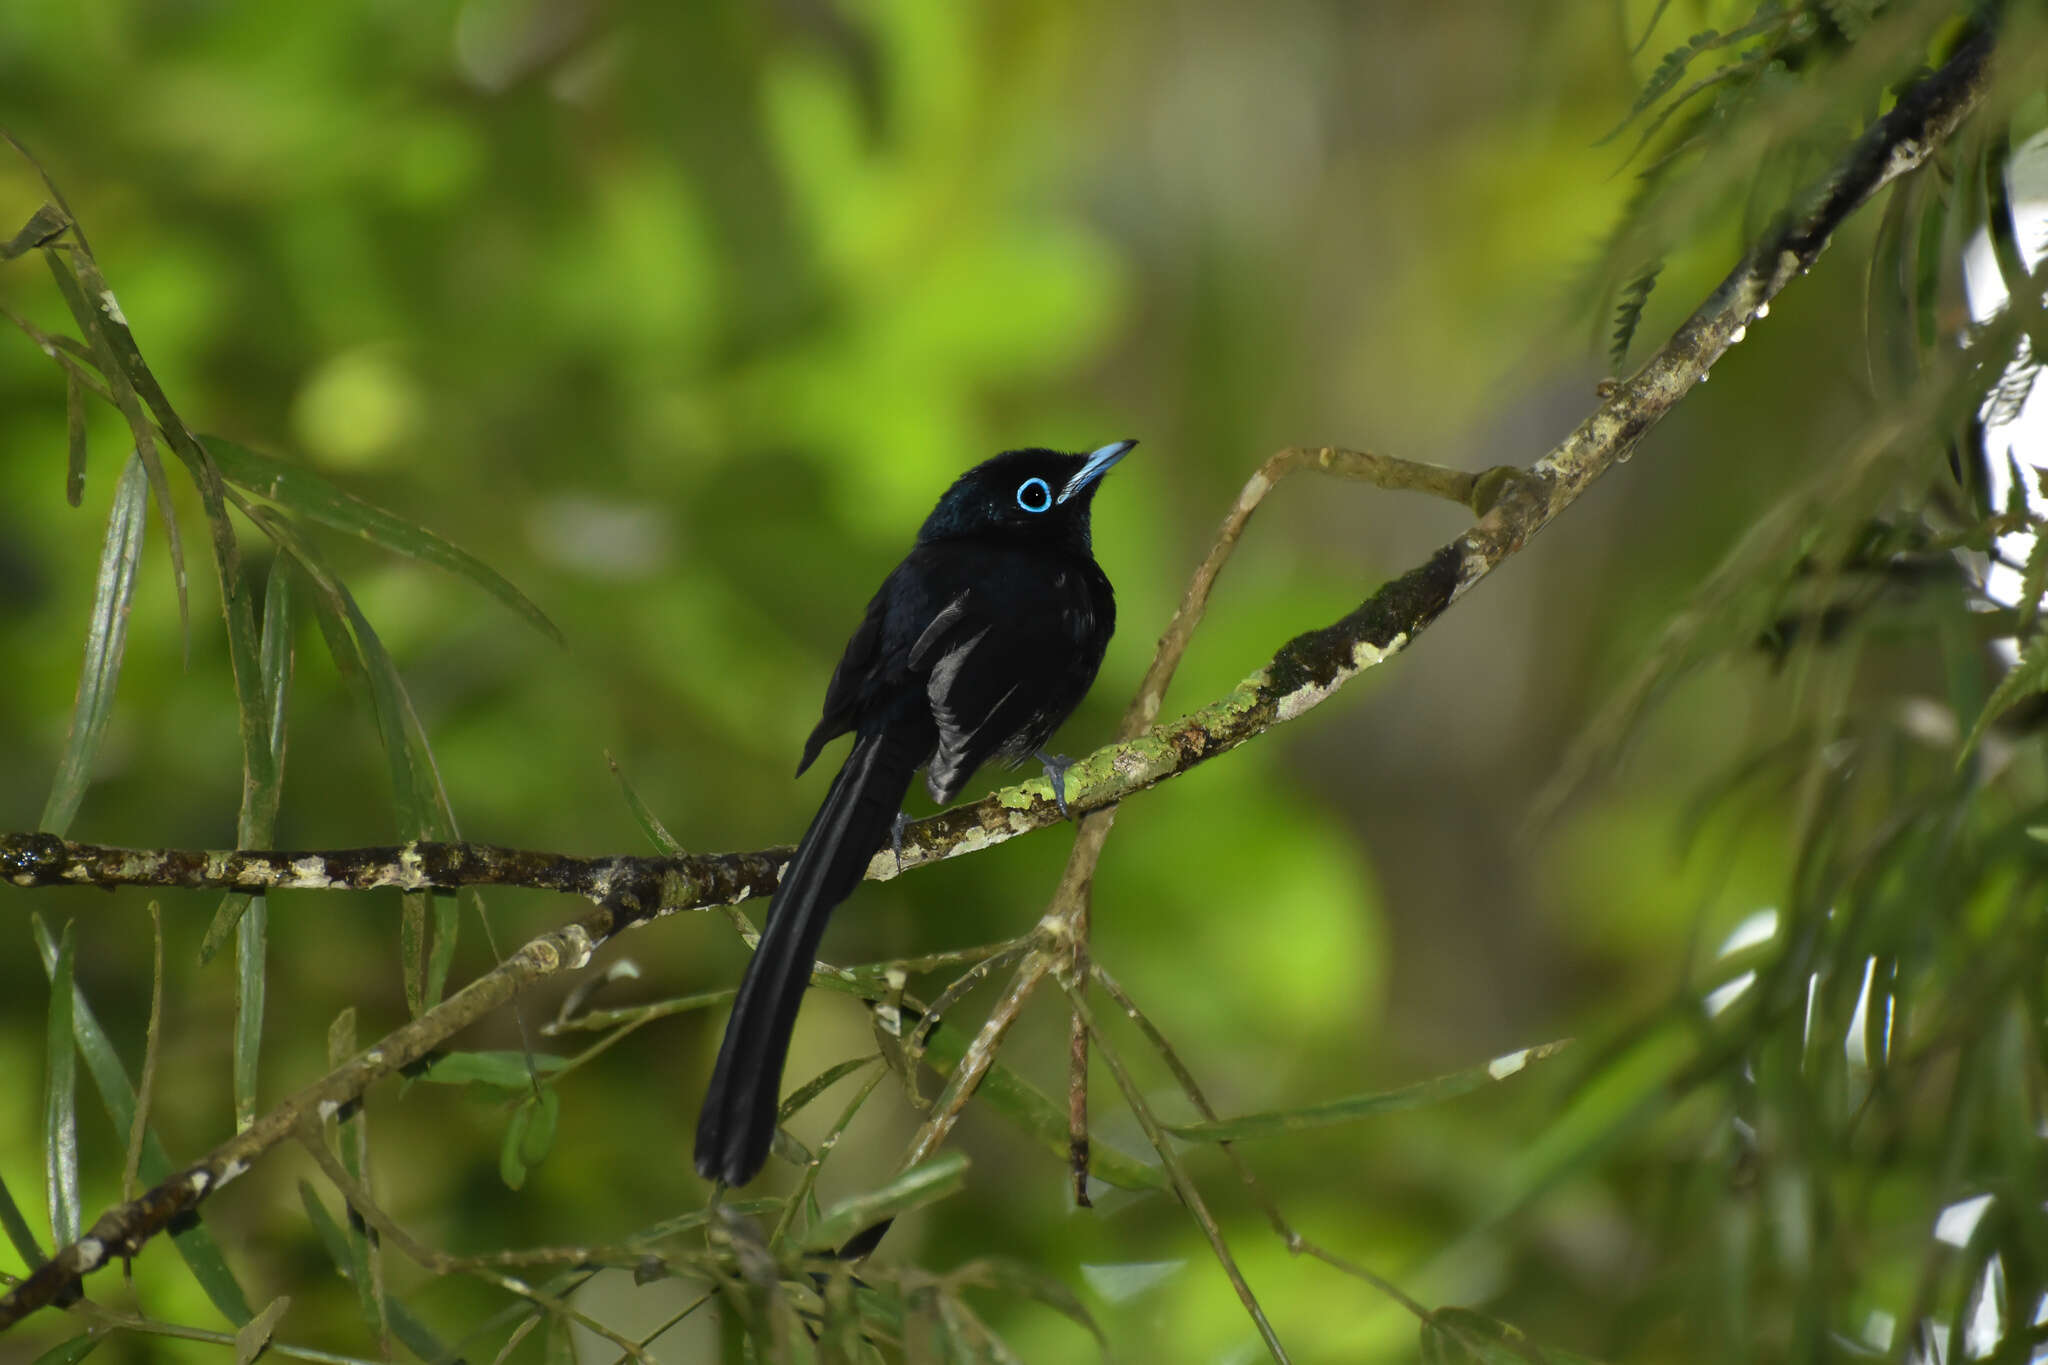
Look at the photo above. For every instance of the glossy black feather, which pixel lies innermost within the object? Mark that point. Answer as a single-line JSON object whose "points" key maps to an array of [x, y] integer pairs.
{"points": [[976, 646]]}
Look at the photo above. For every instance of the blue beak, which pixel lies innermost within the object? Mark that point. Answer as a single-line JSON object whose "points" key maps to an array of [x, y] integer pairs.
{"points": [[1098, 464]]}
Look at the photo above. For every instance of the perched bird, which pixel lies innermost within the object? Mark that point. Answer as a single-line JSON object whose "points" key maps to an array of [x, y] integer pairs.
{"points": [[977, 646]]}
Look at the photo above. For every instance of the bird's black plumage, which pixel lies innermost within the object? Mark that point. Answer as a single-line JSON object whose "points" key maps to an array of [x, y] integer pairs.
{"points": [[977, 646]]}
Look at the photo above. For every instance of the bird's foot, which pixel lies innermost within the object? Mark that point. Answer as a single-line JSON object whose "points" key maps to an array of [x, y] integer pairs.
{"points": [[896, 836], [1056, 766]]}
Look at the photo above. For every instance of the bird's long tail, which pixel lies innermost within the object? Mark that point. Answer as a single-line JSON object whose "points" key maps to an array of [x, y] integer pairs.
{"points": [[738, 1121]]}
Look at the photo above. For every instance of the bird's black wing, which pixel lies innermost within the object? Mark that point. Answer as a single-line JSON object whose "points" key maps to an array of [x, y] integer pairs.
{"points": [[995, 662], [853, 679]]}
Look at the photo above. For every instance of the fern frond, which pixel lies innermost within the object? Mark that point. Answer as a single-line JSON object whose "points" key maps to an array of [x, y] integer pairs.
{"points": [[1628, 312]]}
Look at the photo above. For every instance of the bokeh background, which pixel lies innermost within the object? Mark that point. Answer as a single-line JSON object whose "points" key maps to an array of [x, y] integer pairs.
{"points": [[681, 316]]}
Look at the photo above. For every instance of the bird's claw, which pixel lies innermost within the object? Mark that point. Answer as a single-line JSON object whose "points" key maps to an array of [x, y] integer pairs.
{"points": [[1056, 766], [896, 836]]}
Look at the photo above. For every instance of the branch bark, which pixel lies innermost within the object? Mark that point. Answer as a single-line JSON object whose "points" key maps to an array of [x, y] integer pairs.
{"points": [[1300, 676]]}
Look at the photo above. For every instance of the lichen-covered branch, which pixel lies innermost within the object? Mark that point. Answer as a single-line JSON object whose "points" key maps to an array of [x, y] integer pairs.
{"points": [[1301, 675]]}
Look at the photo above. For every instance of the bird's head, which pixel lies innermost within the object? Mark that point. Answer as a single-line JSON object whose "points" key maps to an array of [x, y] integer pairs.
{"points": [[1024, 495]]}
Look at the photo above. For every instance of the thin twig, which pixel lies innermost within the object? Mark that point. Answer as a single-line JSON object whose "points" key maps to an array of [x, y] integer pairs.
{"points": [[145, 1090], [1169, 1155]]}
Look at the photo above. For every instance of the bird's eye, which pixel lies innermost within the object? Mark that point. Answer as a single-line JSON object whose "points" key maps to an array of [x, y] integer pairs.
{"points": [[1034, 495]]}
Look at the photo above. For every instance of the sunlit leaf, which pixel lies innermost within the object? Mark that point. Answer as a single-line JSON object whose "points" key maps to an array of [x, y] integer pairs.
{"points": [[97, 329], [60, 1104], [106, 640]]}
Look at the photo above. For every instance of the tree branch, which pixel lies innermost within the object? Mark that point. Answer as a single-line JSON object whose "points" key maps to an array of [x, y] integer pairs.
{"points": [[1301, 675]]}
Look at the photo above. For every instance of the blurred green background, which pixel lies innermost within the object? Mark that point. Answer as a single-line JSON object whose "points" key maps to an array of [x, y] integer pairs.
{"points": [[681, 316]]}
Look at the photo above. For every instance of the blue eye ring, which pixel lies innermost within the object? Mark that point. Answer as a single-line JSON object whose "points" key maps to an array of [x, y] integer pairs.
{"points": [[1034, 495]]}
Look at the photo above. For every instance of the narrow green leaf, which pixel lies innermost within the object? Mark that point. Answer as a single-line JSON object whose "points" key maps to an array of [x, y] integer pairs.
{"points": [[332, 1239], [300, 490], [511, 1165], [500, 1070], [336, 608], [256, 825], [252, 954], [60, 1105], [1365, 1106], [74, 437], [254, 1336], [2023, 679], [105, 640], [74, 1349], [97, 329], [146, 1092], [44, 226], [649, 823], [18, 1231], [819, 1084], [561, 1346], [925, 1183], [441, 957], [412, 950], [195, 1244], [416, 1335], [539, 1138], [405, 1325]]}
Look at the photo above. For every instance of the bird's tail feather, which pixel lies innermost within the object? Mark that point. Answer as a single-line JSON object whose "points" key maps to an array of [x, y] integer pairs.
{"points": [[738, 1120]]}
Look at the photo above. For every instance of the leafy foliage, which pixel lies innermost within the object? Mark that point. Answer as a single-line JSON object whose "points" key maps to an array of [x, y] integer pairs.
{"points": [[1753, 1149]]}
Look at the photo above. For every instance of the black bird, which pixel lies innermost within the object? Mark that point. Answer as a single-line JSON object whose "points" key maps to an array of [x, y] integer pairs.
{"points": [[977, 646]]}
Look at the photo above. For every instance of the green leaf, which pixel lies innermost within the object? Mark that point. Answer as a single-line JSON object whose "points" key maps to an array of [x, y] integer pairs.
{"points": [[1365, 1106], [925, 1183], [254, 1337], [1628, 311], [649, 824], [99, 332], [447, 920], [105, 640], [2022, 680], [405, 1325], [500, 1070], [512, 1166], [195, 1244], [45, 225], [18, 1231], [819, 1084], [539, 1137], [73, 1349], [60, 1105], [257, 824], [74, 437], [252, 954], [300, 490]]}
